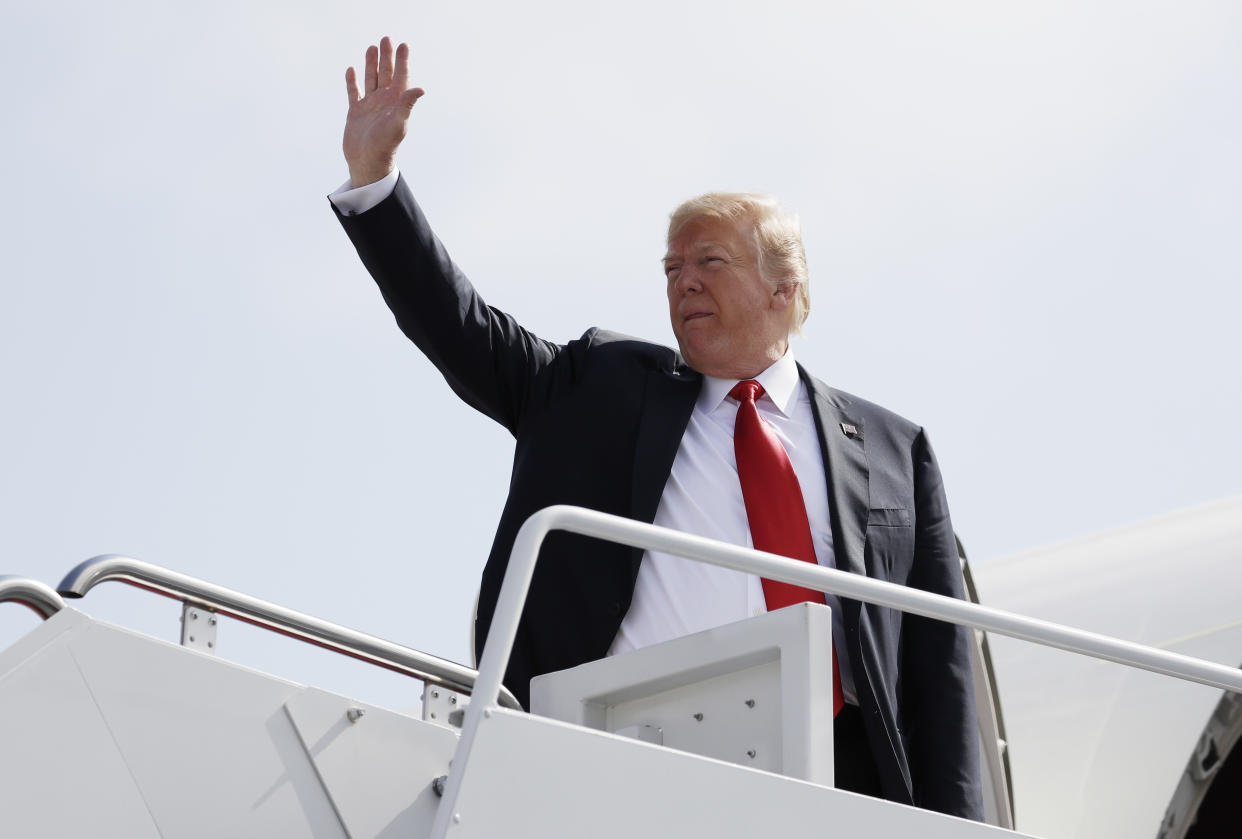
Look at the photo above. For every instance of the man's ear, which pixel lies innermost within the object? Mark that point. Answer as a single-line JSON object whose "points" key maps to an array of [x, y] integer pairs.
{"points": [[784, 295]]}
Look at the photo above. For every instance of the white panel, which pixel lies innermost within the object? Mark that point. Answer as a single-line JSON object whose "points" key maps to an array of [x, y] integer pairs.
{"points": [[66, 620], [530, 776], [757, 692], [377, 770], [711, 718], [207, 742], [61, 774]]}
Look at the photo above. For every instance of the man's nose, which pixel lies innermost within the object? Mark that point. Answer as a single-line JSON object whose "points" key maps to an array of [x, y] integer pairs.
{"points": [[687, 280]]}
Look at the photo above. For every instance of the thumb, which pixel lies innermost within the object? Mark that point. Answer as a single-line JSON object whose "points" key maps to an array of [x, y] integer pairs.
{"points": [[409, 97]]}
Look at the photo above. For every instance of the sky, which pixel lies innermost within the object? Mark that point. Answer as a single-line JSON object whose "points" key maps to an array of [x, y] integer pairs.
{"points": [[1021, 221]]}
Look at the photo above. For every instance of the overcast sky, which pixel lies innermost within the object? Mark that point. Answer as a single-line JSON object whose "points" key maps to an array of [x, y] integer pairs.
{"points": [[1022, 222]]}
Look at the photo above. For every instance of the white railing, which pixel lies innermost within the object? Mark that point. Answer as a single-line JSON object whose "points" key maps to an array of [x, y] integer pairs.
{"points": [[625, 531]]}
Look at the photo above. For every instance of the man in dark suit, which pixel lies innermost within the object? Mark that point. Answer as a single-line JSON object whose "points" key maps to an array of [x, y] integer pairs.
{"points": [[635, 429]]}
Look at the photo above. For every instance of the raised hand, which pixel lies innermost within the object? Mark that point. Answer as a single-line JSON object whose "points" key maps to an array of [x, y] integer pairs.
{"points": [[377, 118]]}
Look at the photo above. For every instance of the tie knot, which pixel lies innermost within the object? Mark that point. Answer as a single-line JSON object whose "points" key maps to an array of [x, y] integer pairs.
{"points": [[747, 391]]}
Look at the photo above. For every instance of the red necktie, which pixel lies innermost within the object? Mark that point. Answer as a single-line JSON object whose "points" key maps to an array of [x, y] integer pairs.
{"points": [[774, 506]]}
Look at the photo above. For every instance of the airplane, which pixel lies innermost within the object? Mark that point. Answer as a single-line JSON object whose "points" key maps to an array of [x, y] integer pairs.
{"points": [[1102, 751]]}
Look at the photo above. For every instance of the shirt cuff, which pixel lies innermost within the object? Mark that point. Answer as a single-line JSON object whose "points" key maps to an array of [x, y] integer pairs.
{"points": [[351, 202]]}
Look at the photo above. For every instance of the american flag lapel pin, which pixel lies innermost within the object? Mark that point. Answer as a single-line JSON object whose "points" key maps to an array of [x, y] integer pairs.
{"points": [[850, 431]]}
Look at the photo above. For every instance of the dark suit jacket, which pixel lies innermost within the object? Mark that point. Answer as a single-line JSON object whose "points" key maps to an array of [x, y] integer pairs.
{"points": [[597, 423]]}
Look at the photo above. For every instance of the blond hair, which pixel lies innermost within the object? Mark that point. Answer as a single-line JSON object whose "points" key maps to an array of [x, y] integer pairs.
{"points": [[778, 238]]}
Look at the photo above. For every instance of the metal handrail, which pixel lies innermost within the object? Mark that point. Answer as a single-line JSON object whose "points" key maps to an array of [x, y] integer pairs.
{"points": [[513, 590], [37, 596], [369, 648], [842, 583]]}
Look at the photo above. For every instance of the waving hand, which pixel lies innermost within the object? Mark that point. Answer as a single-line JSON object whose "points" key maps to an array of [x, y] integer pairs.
{"points": [[378, 113]]}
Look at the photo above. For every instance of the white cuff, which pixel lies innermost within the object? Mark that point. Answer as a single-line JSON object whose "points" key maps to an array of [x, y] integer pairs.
{"points": [[351, 202]]}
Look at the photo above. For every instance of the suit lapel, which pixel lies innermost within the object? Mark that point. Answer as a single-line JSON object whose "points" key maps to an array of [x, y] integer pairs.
{"points": [[845, 467], [668, 400], [845, 462]]}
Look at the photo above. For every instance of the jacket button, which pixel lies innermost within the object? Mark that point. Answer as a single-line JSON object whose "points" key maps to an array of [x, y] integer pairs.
{"points": [[614, 609]]}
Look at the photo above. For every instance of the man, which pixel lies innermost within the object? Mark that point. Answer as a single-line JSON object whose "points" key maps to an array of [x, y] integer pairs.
{"points": [[634, 429]]}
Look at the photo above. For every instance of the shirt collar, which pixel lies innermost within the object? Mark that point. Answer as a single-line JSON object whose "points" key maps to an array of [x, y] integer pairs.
{"points": [[780, 384]]}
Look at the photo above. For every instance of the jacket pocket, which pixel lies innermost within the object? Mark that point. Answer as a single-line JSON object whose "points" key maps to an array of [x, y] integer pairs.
{"points": [[888, 517], [890, 544]]}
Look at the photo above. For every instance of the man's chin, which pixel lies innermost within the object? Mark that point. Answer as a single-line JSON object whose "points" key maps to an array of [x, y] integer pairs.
{"points": [[704, 363], [703, 357], [691, 354]]}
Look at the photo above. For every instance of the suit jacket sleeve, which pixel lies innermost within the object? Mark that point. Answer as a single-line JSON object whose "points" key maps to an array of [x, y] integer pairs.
{"points": [[575, 412], [487, 358], [936, 661]]}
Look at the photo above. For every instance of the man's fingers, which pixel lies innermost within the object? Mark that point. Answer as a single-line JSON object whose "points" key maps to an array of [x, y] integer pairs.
{"points": [[381, 70], [385, 62], [401, 72], [371, 68], [409, 97], [351, 85]]}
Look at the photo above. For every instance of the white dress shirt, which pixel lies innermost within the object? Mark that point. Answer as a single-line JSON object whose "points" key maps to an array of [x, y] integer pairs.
{"points": [[354, 200], [674, 596]]}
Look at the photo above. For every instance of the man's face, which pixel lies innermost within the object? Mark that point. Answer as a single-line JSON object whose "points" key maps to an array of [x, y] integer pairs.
{"points": [[728, 320]]}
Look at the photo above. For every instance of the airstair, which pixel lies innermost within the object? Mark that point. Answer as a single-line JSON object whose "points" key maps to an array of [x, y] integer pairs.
{"points": [[107, 732]]}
